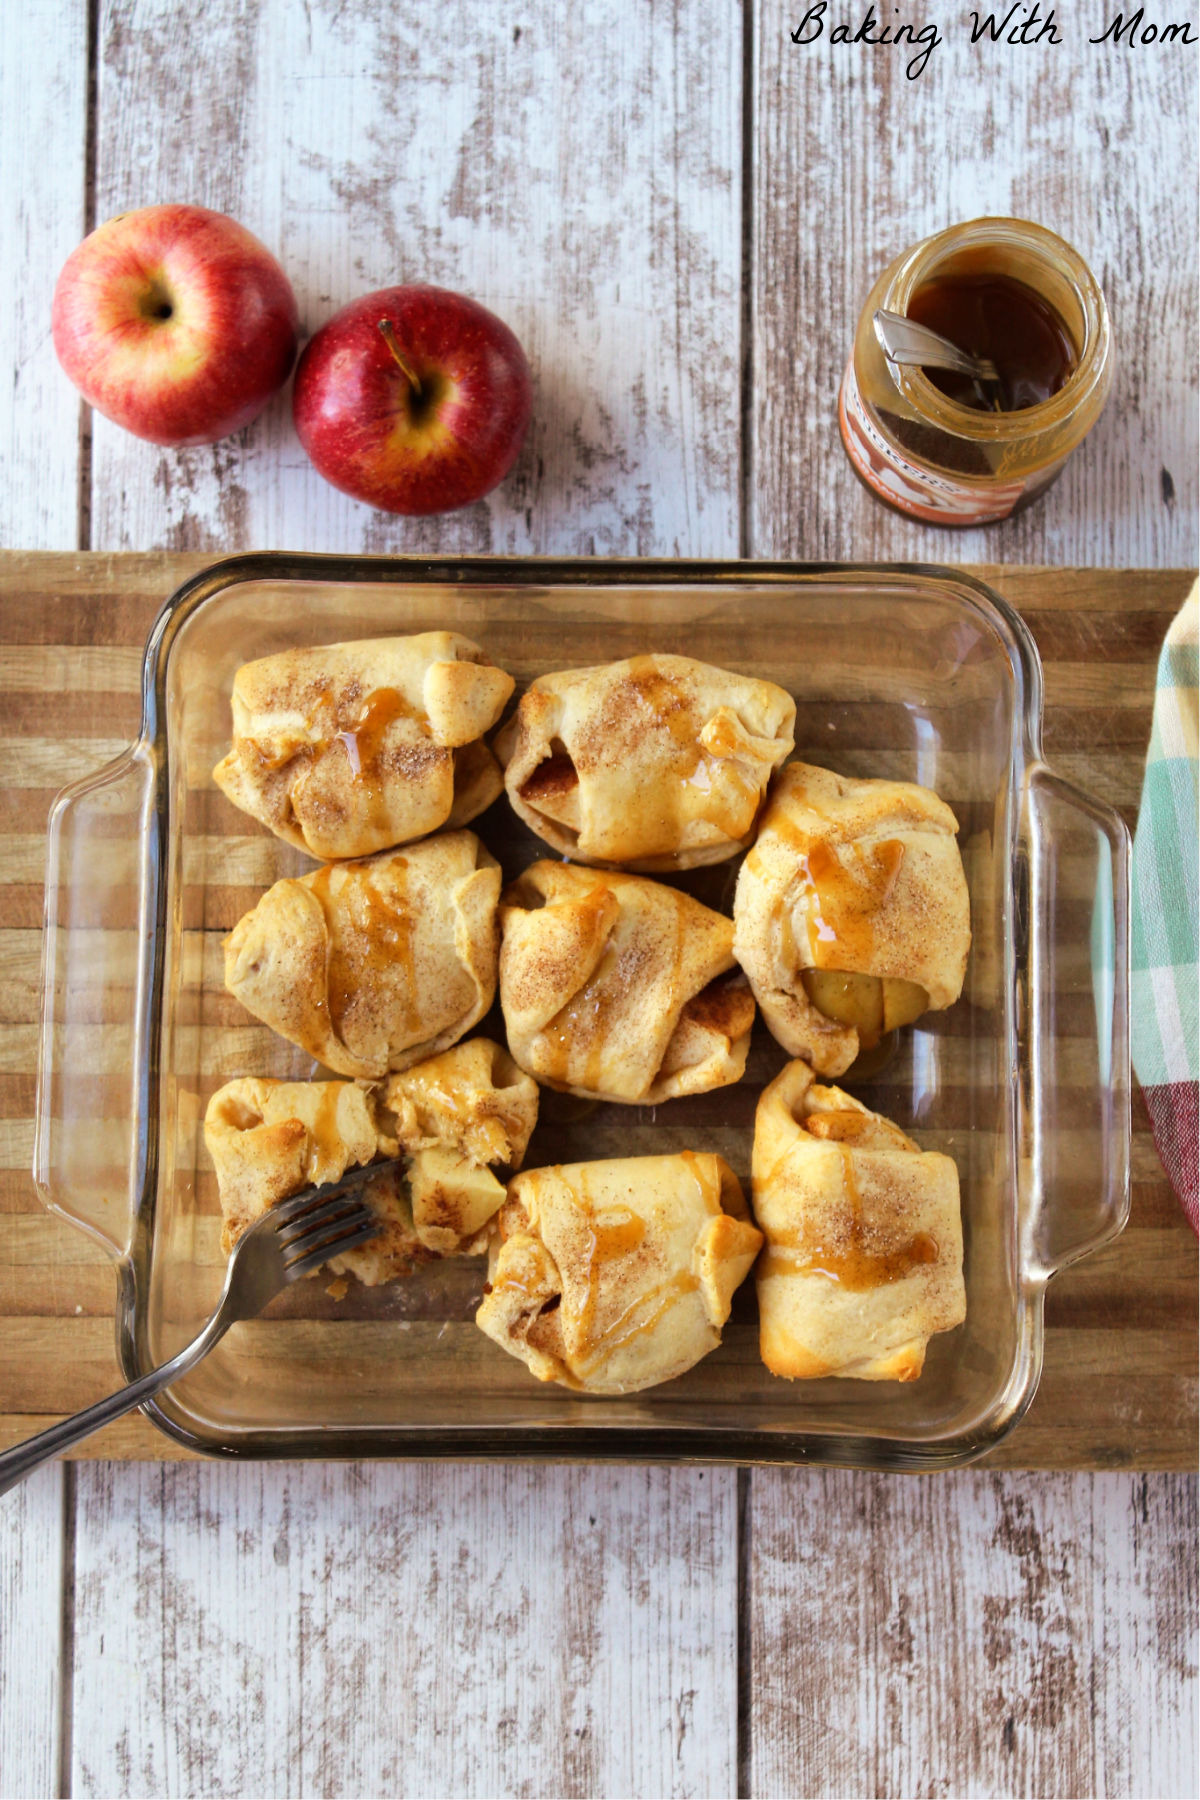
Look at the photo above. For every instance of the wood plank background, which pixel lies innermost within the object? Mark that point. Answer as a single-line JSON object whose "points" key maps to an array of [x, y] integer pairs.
{"points": [[70, 701], [679, 211]]}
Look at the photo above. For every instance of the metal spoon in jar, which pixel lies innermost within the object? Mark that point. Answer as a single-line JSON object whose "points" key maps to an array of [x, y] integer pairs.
{"points": [[915, 346]]}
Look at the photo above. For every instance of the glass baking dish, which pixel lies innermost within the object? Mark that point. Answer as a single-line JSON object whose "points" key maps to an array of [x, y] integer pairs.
{"points": [[907, 672]]}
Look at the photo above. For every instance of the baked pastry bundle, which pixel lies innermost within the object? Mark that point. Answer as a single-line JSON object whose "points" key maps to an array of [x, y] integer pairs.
{"points": [[345, 749], [374, 965], [617, 988], [863, 1258], [463, 1121], [456, 1121], [851, 915], [614, 1276], [654, 763], [850, 919]]}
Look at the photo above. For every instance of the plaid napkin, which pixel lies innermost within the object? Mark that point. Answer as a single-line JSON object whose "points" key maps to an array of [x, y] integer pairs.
{"points": [[1166, 924]]}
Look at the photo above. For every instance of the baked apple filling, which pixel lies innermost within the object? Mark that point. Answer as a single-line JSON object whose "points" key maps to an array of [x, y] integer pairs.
{"points": [[872, 1004], [553, 788]]}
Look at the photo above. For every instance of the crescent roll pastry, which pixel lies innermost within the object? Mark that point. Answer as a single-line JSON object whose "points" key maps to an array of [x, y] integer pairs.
{"points": [[851, 916], [863, 1261], [350, 748], [464, 1120], [460, 1121], [371, 966], [658, 762], [613, 1276], [269, 1139], [612, 986]]}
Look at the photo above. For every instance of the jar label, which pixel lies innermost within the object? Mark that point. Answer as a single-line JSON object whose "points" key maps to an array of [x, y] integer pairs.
{"points": [[921, 492]]}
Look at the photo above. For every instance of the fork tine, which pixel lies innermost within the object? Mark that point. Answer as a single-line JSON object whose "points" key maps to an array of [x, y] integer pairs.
{"points": [[339, 1215], [339, 1207], [305, 1265], [297, 1205], [330, 1232]]}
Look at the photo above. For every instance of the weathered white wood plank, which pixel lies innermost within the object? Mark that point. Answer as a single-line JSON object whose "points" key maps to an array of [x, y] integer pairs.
{"points": [[366, 1629], [574, 168], [43, 136], [31, 1585], [973, 1634], [854, 162]]}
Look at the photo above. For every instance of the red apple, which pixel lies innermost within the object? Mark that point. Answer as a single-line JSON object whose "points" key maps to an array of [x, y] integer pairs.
{"points": [[176, 323], [413, 399]]}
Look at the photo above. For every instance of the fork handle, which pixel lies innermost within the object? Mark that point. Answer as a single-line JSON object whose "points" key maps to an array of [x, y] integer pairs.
{"points": [[23, 1459]]}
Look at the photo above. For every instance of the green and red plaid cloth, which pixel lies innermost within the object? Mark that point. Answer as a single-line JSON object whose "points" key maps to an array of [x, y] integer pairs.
{"points": [[1166, 918]]}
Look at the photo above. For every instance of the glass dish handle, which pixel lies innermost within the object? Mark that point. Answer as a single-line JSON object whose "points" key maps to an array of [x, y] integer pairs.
{"points": [[1075, 1070], [87, 1162]]}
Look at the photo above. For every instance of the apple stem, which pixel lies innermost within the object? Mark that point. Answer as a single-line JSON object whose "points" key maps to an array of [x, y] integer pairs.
{"points": [[387, 332]]}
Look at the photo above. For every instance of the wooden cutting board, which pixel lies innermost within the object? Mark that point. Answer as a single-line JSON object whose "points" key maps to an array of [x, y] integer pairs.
{"points": [[1119, 1388]]}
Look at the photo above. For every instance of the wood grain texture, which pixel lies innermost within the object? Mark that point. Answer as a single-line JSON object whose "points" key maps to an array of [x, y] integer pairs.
{"points": [[389, 1629], [1009, 1638], [43, 136], [31, 1588], [43, 102], [582, 176], [854, 163], [1130, 1308], [589, 197]]}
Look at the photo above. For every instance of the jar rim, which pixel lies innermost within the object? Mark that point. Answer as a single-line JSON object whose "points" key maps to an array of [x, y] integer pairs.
{"points": [[923, 260]]}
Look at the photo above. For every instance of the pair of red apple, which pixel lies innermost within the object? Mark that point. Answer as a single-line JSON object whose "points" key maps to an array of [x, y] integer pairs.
{"points": [[178, 324]]}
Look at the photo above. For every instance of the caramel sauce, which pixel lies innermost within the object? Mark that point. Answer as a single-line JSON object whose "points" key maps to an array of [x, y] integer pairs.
{"points": [[604, 1241], [842, 899], [631, 1326], [702, 783], [996, 316], [668, 705], [577, 1038], [267, 759], [836, 1127], [375, 935], [580, 1029], [698, 1171], [363, 741], [848, 1261], [324, 1138], [389, 936], [731, 805], [271, 757]]}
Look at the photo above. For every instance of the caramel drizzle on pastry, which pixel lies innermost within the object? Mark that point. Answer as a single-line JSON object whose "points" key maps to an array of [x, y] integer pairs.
{"points": [[376, 933], [363, 743], [582, 1027], [620, 1234], [325, 1139], [847, 1259], [657, 817], [842, 899]]}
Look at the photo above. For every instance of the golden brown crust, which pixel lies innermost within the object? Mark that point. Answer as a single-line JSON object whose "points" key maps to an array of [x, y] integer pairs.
{"points": [[460, 1122], [269, 1139], [346, 749], [610, 989], [862, 877], [374, 965], [654, 763], [863, 1256], [613, 1276], [464, 1120]]}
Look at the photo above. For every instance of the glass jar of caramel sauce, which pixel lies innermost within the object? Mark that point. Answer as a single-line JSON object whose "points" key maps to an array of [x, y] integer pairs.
{"points": [[952, 451]]}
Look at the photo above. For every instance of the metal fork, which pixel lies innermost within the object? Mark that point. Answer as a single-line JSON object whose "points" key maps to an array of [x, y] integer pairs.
{"points": [[291, 1239]]}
